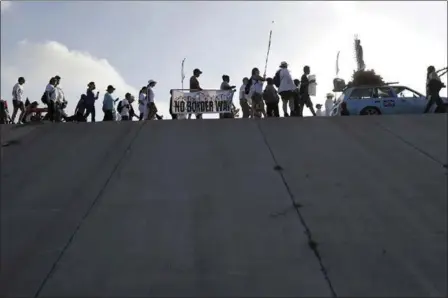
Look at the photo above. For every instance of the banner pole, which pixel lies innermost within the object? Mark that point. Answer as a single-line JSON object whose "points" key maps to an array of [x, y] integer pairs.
{"points": [[269, 49]]}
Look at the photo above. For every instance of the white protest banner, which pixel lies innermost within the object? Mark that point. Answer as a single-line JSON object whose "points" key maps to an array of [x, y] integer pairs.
{"points": [[203, 102]]}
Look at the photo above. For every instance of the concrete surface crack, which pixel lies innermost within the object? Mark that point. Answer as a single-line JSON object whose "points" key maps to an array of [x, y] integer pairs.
{"points": [[410, 144], [311, 242], [95, 201]]}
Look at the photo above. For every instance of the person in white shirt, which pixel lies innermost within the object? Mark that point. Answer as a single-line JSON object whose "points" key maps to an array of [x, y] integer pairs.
{"points": [[286, 89], [256, 93], [319, 111], [244, 100], [152, 109], [143, 103], [125, 107], [17, 99], [49, 97], [328, 104]]}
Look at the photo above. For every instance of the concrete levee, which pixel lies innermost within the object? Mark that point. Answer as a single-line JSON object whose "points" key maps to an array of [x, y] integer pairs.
{"points": [[351, 206]]}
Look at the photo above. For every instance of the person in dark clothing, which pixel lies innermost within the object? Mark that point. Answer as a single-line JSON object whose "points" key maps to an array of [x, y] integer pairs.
{"points": [[433, 87], [298, 103], [90, 101], [173, 116], [80, 110], [194, 86], [303, 91], [271, 99]]}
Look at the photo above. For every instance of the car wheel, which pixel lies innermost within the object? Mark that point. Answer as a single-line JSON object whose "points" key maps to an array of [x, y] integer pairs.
{"points": [[370, 111]]}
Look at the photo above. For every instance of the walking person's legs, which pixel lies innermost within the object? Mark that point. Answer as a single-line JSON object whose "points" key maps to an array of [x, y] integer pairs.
{"points": [[269, 110], [309, 104], [244, 108], [285, 106], [276, 110], [431, 101], [17, 105], [93, 112]]}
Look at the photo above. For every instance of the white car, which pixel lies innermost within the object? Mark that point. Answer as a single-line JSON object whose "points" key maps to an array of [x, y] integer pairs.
{"points": [[381, 100]]}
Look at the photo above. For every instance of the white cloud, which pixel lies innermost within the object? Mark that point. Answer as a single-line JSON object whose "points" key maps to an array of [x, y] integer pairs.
{"points": [[5, 5], [38, 62]]}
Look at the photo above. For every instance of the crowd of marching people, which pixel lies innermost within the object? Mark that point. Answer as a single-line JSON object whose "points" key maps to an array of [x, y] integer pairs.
{"points": [[255, 101]]}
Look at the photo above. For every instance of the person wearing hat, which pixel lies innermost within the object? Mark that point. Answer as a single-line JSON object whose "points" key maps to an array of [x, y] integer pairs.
{"points": [[329, 104], [90, 101], [194, 86], [319, 111], [109, 104], [286, 89]]}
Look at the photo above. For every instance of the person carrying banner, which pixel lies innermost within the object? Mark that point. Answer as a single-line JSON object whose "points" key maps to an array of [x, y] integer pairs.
{"points": [[194, 86], [286, 88], [225, 85], [244, 99], [17, 99], [255, 87], [173, 116]]}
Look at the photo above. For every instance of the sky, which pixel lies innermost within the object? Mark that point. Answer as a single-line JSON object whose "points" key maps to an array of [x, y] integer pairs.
{"points": [[127, 43]]}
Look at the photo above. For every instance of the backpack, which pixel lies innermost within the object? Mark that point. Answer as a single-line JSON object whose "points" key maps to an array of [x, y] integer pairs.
{"points": [[277, 79], [44, 97], [247, 87], [120, 106]]}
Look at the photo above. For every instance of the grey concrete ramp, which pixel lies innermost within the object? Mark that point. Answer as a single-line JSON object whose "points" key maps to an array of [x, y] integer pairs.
{"points": [[350, 206], [376, 206]]}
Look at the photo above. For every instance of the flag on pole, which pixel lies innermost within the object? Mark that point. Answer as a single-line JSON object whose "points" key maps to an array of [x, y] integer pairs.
{"points": [[337, 63], [182, 73]]}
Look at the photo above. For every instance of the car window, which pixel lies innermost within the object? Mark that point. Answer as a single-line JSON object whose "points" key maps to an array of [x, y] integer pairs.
{"points": [[361, 93], [403, 92], [383, 92]]}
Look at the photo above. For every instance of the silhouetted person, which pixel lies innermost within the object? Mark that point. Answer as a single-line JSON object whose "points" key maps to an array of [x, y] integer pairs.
{"points": [[90, 101], [194, 86], [303, 91], [271, 99], [17, 99], [225, 85]]}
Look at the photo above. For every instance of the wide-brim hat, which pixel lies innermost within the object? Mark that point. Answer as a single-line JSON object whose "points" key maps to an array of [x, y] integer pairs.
{"points": [[330, 95], [283, 64], [151, 82]]}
